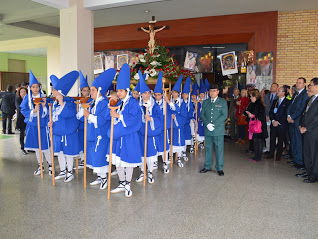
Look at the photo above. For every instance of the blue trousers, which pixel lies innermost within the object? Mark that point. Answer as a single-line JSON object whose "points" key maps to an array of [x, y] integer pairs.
{"points": [[296, 143]]}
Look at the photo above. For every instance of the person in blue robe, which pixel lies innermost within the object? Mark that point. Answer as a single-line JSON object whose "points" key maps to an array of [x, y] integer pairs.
{"points": [[190, 110], [154, 120], [29, 111], [65, 125], [97, 127], [200, 130], [126, 148], [194, 96], [158, 95], [178, 112]]}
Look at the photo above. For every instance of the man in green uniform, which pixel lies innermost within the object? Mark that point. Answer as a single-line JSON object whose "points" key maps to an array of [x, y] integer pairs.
{"points": [[213, 115]]}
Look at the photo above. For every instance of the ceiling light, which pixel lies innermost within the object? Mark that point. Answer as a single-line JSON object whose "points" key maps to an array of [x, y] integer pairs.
{"points": [[147, 11]]}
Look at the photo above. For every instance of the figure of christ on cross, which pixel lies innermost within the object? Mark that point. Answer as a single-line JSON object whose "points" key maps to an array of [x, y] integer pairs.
{"points": [[152, 32]]}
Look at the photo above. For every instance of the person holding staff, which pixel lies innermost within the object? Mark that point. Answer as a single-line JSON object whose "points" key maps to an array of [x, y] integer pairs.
{"points": [[98, 125], [65, 124], [154, 120], [178, 112], [213, 115], [126, 147], [29, 111]]}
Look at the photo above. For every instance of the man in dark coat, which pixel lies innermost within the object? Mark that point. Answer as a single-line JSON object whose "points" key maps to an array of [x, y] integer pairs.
{"points": [[294, 112], [279, 124], [8, 109], [309, 128]]}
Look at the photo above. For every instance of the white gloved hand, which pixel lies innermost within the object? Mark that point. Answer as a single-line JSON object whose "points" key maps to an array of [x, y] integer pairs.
{"points": [[210, 127]]}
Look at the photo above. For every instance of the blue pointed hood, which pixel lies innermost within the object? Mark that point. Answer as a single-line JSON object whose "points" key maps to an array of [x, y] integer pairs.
{"points": [[143, 86], [202, 87], [177, 86], [123, 80], [83, 81], [207, 84], [32, 79], [158, 88], [137, 87], [187, 85], [194, 89], [65, 84], [104, 80]]}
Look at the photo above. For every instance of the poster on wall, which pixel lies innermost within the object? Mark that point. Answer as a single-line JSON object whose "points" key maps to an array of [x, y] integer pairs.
{"points": [[121, 60], [244, 58], [133, 58], [228, 63], [98, 63], [190, 60], [205, 63], [251, 74], [264, 70], [109, 61]]}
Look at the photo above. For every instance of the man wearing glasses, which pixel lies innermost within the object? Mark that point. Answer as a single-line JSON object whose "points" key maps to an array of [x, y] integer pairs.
{"points": [[213, 115], [309, 128]]}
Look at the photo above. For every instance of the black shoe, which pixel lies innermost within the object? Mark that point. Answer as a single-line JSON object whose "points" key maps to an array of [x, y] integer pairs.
{"points": [[11, 133], [220, 173], [290, 161], [24, 152], [248, 151], [269, 156], [205, 170], [297, 166], [311, 180], [302, 175], [3, 132]]}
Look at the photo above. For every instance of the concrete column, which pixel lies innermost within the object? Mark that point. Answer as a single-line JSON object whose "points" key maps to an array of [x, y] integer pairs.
{"points": [[77, 41]]}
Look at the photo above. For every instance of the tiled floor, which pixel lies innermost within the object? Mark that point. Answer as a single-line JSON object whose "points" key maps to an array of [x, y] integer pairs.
{"points": [[252, 200]]}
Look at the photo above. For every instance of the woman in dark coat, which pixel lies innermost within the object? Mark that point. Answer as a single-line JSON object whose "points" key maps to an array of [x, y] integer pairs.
{"points": [[257, 109], [21, 93]]}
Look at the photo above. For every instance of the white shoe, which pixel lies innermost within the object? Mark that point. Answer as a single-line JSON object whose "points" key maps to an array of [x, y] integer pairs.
{"points": [[50, 170], [165, 168], [128, 192], [191, 150], [150, 178], [103, 183], [114, 173], [265, 149], [155, 165], [81, 165], [201, 146], [185, 158], [69, 177], [180, 164], [120, 188], [140, 178], [96, 181], [61, 175], [38, 171]]}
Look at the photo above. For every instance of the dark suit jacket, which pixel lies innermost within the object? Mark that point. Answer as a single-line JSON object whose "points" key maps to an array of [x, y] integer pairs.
{"points": [[281, 114], [297, 106], [8, 103], [309, 119], [267, 101]]}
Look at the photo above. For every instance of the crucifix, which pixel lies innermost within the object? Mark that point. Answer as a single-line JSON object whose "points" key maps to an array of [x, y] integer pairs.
{"points": [[152, 30]]}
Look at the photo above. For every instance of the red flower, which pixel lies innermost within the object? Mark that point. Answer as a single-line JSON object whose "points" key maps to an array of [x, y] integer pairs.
{"points": [[136, 55]]}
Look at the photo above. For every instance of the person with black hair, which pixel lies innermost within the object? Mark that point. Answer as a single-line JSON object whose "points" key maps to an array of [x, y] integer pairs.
{"points": [[279, 124], [8, 109], [294, 112], [309, 129], [21, 125]]}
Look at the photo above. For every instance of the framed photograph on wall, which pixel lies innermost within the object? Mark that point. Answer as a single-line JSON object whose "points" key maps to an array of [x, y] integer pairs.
{"points": [[121, 60], [98, 63], [190, 60], [109, 61], [228, 63]]}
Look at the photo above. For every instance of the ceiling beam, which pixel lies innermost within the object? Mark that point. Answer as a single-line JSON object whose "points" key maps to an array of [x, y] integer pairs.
{"points": [[59, 4], [102, 4], [37, 27]]}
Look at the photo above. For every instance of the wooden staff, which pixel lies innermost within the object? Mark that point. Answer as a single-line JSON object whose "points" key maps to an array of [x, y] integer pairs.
{"points": [[196, 126], [37, 101], [145, 150], [165, 90], [51, 139], [76, 159], [110, 150], [85, 106], [171, 142]]}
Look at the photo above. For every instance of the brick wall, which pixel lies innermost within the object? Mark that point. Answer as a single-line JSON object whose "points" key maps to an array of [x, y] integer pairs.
{"points": [[297, 46]]}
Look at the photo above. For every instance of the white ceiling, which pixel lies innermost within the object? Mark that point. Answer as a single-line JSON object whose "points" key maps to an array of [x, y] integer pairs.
{"points": [[16, 14]]}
